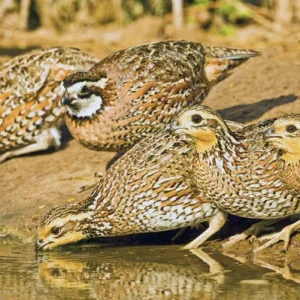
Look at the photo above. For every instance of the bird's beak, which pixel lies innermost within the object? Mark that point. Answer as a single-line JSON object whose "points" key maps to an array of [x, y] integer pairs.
{"points": [[175, 128], [269, 135], [66, 99], [41, 245]]}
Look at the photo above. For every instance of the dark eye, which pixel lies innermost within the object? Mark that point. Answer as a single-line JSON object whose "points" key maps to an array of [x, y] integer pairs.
{"points": [[196, 119], [291, 128], [85, 90], [55, 230]]}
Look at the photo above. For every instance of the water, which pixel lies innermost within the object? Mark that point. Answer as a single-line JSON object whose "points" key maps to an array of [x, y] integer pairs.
{"points": [[140, 272]]}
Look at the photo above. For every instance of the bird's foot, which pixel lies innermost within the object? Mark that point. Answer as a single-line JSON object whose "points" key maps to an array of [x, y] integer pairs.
{"points": [[251, 232], [284, 235], [238, 238]]}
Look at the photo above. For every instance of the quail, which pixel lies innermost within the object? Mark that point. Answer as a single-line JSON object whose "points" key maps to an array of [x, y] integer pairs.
{"points": [[30, 92], [149, 189], [284, 135], [137, 91], [238, 173]]}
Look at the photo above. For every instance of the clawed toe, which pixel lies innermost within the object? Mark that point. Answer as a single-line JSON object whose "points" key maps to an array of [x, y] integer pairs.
{"points": [[274, 239], [252, 239], [250, 233]]}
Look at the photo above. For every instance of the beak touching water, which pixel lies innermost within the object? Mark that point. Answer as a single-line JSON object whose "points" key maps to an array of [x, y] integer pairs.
{"points": [[40, 244]]}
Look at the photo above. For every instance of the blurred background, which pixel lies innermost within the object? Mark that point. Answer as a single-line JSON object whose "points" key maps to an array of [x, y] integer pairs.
{"points": [[103, 26]]}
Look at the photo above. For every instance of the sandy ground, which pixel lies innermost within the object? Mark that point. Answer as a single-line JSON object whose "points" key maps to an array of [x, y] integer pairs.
{"points": [[262, 88]]}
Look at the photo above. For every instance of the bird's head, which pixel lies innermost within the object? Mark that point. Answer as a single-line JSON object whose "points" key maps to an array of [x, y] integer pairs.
{"points": [[284, 135], [62, 225], [202, 124], [83, 93]]}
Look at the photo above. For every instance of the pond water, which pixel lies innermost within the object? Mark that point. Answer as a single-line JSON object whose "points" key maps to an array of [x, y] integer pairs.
{"points": [[141, 272]]}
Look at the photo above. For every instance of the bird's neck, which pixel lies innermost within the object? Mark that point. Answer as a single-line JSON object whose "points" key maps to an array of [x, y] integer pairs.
{"points": [[289, 170], [227, 147], [291, 158]]}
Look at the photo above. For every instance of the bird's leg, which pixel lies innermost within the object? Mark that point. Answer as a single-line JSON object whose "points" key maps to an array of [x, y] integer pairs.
{"points": [[215, 224], [178, 234], [47, 139], [283, 235], [253, 231]]}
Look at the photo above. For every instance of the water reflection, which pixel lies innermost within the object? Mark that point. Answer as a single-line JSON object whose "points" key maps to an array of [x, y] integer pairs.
{"points": [[94, 272], [131, 273]]}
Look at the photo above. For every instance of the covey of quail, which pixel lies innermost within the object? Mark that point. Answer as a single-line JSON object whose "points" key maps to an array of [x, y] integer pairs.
{"points": [[149, 189], [239, 174]]}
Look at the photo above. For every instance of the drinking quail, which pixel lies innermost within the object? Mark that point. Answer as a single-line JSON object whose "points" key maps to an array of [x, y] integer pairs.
{"points": [[149, 189], [137, 91], [30, 110], [238, 173]]}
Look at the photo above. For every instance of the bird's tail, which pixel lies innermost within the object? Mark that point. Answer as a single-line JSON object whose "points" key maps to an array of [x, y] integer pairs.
{"points": [[219, 61]]}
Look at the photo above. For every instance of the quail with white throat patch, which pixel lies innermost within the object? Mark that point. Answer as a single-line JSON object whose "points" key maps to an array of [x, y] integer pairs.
{"points": [[30, 93], [137, 91]]}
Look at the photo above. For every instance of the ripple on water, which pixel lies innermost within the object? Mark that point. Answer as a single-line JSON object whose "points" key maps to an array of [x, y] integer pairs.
{"points": [[141, 272]]}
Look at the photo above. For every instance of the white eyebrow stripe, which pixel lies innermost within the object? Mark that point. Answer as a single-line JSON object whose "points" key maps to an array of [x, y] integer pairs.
{"points": [[75, 88]]}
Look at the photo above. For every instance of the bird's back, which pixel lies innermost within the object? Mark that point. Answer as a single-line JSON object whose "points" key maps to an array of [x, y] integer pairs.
{"points": [[150, 188], [147, 86]]}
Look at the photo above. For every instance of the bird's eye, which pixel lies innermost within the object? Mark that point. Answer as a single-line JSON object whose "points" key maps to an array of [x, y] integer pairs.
{"points": [[291, 128], [55, 230], [196, 119], [85, 90]]}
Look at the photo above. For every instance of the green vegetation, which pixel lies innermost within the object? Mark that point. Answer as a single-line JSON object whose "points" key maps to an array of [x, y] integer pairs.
{"points": [[223, 16]]}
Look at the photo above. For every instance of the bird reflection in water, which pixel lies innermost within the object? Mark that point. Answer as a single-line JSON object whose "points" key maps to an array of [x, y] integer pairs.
{"points": [[158, 273]]}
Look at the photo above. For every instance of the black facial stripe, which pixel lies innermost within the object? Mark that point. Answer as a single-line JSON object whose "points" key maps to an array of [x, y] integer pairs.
{"points": [[86, 95], [80, 77]]}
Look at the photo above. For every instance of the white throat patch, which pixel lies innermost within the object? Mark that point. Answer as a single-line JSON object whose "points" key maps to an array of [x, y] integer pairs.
{"points": [[88, 107], [85, 107]]}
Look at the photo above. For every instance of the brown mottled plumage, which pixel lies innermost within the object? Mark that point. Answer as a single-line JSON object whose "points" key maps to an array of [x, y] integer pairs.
{"points": [[149, 189], [238, 174], [137, 91], [30, 110], [285, 136]]}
